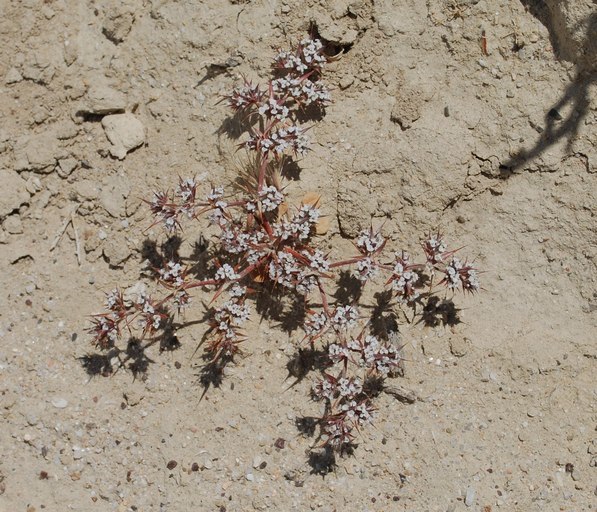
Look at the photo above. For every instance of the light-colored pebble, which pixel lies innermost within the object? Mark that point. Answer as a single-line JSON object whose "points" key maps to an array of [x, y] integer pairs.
{"points": [[59, 403]]}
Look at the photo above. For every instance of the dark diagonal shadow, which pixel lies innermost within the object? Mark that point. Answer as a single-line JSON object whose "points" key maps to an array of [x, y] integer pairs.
{"points": [[575, 98]]}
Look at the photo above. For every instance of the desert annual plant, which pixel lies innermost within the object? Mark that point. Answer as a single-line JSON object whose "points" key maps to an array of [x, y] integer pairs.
{"points": [[267, 244]]}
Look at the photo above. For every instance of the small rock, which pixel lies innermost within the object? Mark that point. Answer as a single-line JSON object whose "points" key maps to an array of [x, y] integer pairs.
{"points": [[125, 132], [250, 477], [171, 465], [470, 497], [117, 22], [38, 65], [87, 189], [459, 346], [346, 82], [33, 185], [13, 225], [70, 51], [37, 153], [59, 403], [65, 130], [66, 166], [103, 100], [407, 108], [13, 192], [116, 252], [13, 76], [113, 197]]}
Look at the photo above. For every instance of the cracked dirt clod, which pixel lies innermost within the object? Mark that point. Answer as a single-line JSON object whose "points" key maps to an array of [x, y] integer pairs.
{"points": [[125, 132]]}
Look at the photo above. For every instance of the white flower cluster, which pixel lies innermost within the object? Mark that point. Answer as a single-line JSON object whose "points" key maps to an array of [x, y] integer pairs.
{"points": [[369, 242], [404, 279], [181, 300], [113, 299], [186, 189], [366, 269], [329, 388], [315, 324], [173, 273], [290, 138], [215, 194], [338, 433], [338, 353], [314, 92], [218, 216], [472, 280], [234, 241], [344, 317], [302, 90], [305, 283], [349, 387], [255, 253], [324, 389], [309, 56], [291, 62], [232, 313], [270, 198], [226, 273], [274, 108], [434, 248], [312, 52], [458, 274], [301, 224], [357, 413], [105, 328], [287, 85], [149, 316], [245, 96], [165, 210], [284, 269], [237, 291], [453, 269], [379, 356], [317, 260]]}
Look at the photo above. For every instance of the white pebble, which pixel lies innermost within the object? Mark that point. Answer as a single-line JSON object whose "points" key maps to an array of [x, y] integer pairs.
{"points": [[59, 403], [470, 497]]}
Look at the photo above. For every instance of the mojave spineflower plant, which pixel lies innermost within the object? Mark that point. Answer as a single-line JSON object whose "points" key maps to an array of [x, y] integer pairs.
{"points": [[266, 244]]}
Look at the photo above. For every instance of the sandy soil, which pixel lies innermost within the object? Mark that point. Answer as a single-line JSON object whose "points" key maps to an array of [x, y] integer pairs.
{"points": [[427, 130]]}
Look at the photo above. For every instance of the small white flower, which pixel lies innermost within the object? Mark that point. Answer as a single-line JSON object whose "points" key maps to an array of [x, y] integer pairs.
{"points": [[270, 198], [344, 316], [366, 269], [315, 323], [226, 273], [237, 291], [215, 194], [370, 242], [338, 353]]}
